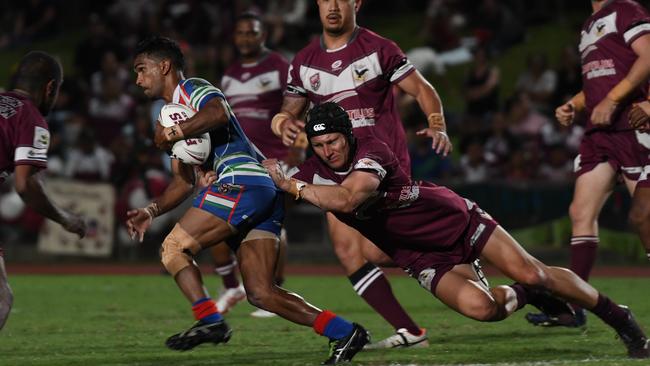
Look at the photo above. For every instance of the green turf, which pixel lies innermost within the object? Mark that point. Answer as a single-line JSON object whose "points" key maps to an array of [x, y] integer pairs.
{"points": [[124, 320]]}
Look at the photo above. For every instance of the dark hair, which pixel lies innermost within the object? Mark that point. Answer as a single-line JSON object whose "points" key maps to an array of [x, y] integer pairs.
{"points": [[162, 48], [249, 15], [35, 70], [328, 118]]}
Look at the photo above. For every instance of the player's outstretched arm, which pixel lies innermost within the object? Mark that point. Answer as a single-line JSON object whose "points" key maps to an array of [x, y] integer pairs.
{"points": [[212, 115], [181, 187], [429, 101], [30, 188], [346, 197], [288, 124]]}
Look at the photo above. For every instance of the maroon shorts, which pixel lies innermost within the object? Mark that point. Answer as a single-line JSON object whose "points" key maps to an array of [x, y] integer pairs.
{"points": [[431, 266], [628, 153]]}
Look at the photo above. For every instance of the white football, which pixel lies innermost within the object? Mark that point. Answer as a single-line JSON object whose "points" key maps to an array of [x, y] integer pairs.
{"points": [[194, 150]]}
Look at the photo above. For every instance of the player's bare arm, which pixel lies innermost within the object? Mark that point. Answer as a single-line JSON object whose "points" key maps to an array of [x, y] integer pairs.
{"points": [[181, 187], [288, 123], [566, 113], [430, 103], [212, 115], [354, 190], [30, 188], [637, 75]]}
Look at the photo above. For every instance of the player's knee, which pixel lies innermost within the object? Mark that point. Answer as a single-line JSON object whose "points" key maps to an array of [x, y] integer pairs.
{"points": [[6, 302], [580, 215], [639, 214], [532, 275], [481, 308], [259, 295], [177, 249]]}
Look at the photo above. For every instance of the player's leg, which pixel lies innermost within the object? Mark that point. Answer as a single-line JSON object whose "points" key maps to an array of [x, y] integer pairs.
{"points": [[513, 261], [6, 296], [257, 256], [640, 210], [369, 281], [592, 188], [225, 266], [462, 291], [196, 230], [278, 274]]}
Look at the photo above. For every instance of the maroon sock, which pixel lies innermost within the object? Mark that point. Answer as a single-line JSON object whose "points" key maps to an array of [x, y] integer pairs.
{"points": [[610, 312], [583, 256], [371, 284], [522, 298], [227, 273]]}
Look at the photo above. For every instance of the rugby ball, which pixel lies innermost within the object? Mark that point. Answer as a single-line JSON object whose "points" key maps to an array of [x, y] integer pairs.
{"points": [[195, 150]]}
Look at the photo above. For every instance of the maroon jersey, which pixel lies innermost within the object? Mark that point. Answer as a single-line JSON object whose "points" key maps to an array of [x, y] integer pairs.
{"points": [[607, 56], [359, 77], [254, 92], [403, 219], [24, 136]]}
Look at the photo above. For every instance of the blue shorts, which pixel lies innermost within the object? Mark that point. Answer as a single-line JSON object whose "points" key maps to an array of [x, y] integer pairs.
{"points": [[246, 207]]}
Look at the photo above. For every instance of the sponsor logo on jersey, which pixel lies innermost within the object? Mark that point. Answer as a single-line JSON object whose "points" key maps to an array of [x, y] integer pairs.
{"points": [[314, 80], [426, 277], [336, 65], [41, 138], [245, 75], [264, 82]]}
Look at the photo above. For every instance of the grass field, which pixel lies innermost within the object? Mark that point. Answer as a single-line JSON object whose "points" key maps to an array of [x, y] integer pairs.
{"points": [[124, 320]]}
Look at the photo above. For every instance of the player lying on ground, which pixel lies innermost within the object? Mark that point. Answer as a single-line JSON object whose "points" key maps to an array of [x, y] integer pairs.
{"points": [[428, 230]]}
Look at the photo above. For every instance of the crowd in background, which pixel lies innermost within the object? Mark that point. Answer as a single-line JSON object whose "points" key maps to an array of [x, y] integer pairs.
{"points": [[102, 125]]}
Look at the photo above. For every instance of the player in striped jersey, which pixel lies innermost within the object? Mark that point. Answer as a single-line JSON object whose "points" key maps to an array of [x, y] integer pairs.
{"points": [[238, 203]]}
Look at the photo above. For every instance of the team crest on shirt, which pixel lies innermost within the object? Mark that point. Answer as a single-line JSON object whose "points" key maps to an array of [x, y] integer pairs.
{"points": [[360, 72], [264, 83], [245, 75], [314, 80]]}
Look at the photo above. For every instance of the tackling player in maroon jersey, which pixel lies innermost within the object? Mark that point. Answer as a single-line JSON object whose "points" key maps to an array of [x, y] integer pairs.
{"points": [[431, 232], [357, 69]]}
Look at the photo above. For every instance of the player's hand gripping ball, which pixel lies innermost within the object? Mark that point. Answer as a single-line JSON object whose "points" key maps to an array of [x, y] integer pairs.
{"points": [[195, 150]]}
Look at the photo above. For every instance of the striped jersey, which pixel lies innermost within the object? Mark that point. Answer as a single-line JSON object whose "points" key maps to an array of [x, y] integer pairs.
{"points": [[235, 159], [24, 134]]}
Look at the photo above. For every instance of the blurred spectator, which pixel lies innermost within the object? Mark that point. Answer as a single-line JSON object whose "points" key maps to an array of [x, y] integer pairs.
{"points": [[500, 142], [88, 161], [474, 167], [426, 165], [89, 52], [524, 120], [538, 81], [34, 20], [284, 18], [111, 67], [519, 167], [112, 110], [557, 167], [481, 86], [496, 26]]}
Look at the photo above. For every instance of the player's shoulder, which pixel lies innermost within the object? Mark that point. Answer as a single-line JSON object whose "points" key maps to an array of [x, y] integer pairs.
{"points": [[195, 83], [372, 145], [15, 105], [313, 48], [276, 58], [626, 5], [367, 36]]}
